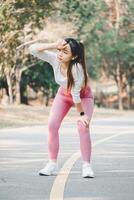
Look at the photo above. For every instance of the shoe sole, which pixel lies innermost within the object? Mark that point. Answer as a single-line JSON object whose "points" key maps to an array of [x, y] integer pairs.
{"points": [[88, 176], [53, 174]]}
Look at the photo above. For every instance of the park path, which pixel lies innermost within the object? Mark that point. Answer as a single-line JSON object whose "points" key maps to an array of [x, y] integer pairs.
{"points": [[23, 151]]}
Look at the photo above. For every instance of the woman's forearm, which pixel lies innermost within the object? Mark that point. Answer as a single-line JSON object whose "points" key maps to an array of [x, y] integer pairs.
{"points": [[32, 42], [44, 46], [27, 43], [47, 46]]}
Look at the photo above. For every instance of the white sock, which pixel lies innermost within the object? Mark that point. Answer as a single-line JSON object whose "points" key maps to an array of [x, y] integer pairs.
{"points": [[86, 162], [53, 161]]}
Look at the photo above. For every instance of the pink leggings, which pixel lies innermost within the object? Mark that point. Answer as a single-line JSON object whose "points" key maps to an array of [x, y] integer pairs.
{"points": [[61, 105]]}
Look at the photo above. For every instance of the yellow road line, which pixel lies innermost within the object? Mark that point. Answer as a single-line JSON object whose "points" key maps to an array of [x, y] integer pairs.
{"points": [[57, 191]]}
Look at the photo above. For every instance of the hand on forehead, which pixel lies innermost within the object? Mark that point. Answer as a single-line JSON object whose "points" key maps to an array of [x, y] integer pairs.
{"points": [[62, 44]]}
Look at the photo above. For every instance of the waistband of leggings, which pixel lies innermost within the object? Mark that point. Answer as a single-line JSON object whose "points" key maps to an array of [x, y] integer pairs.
{"points": [[84, 93]]}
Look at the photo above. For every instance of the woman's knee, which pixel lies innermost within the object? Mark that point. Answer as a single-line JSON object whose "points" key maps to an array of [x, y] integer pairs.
{"points": [[53, 126]]}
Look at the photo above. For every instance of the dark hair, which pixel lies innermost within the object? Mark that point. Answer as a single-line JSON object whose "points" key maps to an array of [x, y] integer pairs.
{"points": [[77, 49]]}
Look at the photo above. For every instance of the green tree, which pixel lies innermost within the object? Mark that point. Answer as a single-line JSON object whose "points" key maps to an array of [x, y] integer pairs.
{"points": [[17, 20], [40, 78], [117, 48]]}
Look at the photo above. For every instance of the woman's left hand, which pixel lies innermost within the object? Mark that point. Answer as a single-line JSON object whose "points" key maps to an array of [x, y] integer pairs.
{"points": [[84, 119]]}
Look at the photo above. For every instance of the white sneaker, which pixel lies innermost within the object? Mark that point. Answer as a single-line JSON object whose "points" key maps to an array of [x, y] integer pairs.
{"points": [[87, 171], [51, 168]]}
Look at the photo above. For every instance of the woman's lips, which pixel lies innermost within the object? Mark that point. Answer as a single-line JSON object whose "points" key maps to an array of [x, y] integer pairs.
{"points": [[60, 59]]}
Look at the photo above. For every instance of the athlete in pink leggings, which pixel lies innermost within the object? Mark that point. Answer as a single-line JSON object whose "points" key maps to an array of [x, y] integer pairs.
{"points": [[71, 74]]}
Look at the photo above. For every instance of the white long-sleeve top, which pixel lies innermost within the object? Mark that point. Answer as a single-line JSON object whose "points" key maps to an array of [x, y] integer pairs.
{"points": [[51, 58]]}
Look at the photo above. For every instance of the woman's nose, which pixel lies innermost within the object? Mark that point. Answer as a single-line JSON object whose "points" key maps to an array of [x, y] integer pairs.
{"points": [[60, 53]]}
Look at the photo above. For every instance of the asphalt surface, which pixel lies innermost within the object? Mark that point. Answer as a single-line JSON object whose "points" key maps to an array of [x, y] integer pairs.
{"points": [[23, 152]]}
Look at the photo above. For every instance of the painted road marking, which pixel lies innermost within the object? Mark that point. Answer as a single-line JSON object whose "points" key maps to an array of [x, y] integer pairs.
{"points": [[57, 191]]}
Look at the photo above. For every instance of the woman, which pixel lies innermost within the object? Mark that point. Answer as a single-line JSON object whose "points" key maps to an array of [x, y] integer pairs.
{"points": [[71, 74]]}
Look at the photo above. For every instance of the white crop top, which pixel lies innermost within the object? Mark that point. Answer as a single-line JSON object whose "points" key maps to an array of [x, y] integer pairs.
{"points": [[51, 58]]}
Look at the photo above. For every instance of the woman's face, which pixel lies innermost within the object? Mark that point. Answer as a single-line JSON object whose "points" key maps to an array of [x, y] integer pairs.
{"points": [[64, 55]]}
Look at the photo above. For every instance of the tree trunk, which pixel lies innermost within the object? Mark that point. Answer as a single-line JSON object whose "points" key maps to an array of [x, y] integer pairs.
{"points": [[117, 11], [120, 87], [18, 79], [131, 92], [9, 83], [18, 97], [18, 74]]}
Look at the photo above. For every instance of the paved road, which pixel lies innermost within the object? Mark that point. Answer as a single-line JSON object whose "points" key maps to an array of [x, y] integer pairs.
{"points": [[23, 151]]}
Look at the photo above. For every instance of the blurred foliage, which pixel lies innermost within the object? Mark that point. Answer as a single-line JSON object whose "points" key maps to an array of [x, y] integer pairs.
{"points": [[18, 18], [39, 78], [89, 18], [106, 28]]}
